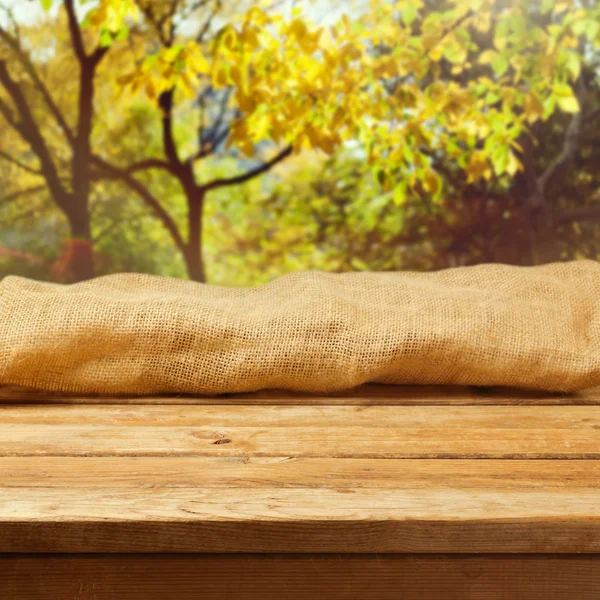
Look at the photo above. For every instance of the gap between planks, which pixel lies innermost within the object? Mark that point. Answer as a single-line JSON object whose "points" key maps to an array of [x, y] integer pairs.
{"points": [[370, 394]]}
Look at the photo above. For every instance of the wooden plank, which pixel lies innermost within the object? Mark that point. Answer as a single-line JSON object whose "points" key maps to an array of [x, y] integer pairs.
{"points": [[319, 417], [372, 394], [272, 577], [553, 476], [299, 520], [340, 442]]}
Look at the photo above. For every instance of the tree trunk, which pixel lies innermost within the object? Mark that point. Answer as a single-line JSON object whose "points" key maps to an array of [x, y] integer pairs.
{"points": [[545, 245], [80, 251], [81, 254], [195, 265], [193, 255]]}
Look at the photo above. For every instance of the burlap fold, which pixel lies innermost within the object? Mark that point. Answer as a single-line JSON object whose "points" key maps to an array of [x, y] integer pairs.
{"points": [[532, 327]]}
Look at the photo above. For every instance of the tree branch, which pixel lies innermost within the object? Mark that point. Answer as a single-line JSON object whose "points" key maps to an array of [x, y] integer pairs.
{"points": [[25, 60], [561, 162], [207, 24], [209, 146], [96, 56], [213, 138], [111, 172], [11, 17], [75, 32], [149, 163], [569, 149], [113, 225], [159, 22], [215, 142], [29, 130], [19, 164], [219, 183], [165, 101], [8, 114], [25, 192]]}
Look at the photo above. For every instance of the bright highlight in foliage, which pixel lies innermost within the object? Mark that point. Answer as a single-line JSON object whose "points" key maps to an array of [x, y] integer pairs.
{"points": [[408, 81]]}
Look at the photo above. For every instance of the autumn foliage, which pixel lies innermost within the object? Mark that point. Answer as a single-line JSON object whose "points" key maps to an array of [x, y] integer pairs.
{"points": [[437, 100]]}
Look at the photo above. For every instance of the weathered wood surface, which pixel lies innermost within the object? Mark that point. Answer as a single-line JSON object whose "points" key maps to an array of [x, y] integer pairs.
{"points": [[383, 432], [272, 577], [399, 472], [285, 472], [300, 520]]}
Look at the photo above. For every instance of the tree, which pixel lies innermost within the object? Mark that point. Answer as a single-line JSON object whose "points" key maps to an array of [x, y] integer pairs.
{"points": [[262, 80], [379, 80], [210, 104], [18, 109]]}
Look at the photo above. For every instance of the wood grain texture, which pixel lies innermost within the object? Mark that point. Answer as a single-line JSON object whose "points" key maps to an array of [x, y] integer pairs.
{"points": [[308, 417], [290, 476], [298, 519], [551, 476], [371, 394], [272, 577], [540, 432], [337, 442]]}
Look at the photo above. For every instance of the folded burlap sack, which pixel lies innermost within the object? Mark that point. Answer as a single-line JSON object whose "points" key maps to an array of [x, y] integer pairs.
{"points": [[532, 327]]}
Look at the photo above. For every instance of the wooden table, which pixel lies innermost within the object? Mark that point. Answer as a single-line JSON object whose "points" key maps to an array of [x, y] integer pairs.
{"points": [[384, 492]]}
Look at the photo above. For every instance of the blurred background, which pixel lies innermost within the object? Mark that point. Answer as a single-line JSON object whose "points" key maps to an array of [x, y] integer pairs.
{"points": [[232, 142]]}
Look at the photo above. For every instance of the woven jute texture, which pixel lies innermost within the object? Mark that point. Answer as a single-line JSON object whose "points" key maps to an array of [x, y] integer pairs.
{"points": [[532, 327]]}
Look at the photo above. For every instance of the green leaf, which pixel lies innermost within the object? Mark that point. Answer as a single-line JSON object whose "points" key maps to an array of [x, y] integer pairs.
{"points": [[568, 104], [546, 6], [409, 155], [399, 195], [359, 265], [487, 56], [455, 53], [549, 106], [123, 32], [492, 97], [46, 4], [500, 65], [500, 160], [105, 38], [563, 90], [593, 29], [501, 34], [573, 65], [409, 13]]}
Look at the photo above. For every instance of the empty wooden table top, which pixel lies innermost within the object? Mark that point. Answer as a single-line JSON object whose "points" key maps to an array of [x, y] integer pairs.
{"points": [[381, 469]]}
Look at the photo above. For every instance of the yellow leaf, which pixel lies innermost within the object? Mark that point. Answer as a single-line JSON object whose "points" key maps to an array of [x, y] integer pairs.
{"points": [[150, 89], [198, 63], [220, 76], [125, 80], [431, 182], [298, 28], [435, 54], [478, 167], [568, 104], [532, 107], [513, 165], [187, 85]]}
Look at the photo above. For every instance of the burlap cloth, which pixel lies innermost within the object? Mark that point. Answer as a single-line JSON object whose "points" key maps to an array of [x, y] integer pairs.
{"points": [[532, 327]]}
